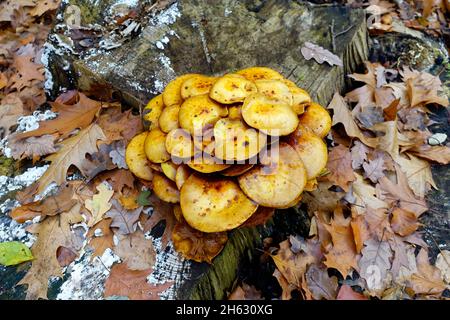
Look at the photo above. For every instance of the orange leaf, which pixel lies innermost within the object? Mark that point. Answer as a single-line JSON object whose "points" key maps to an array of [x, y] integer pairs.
{"points": [[404, 222], [340, 167]]}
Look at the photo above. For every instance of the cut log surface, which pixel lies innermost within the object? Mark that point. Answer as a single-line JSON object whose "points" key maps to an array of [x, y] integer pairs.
{"points": [[215, 37]]}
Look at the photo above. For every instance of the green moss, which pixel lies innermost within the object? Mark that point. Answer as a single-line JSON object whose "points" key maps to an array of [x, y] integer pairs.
{"points": [[7, 167]]}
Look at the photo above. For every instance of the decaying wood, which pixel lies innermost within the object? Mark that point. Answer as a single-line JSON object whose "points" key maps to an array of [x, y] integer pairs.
{"points": [[218, 36]]}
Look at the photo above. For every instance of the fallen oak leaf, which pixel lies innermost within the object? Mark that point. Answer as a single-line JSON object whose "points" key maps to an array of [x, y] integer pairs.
{"points": [[33, 147], [26, 71], [99, 204], [320, 284], [374, 265], [321, 55], [53, 232], [44, 6], [161, 211], [245, 292], [374, 169], [132, 283], [439, 154], [103, 240], [72, 152], [342, 256], [61, 202], [404, 222], [340, 166], [70, 117], [125, 221], [342, 114], [359, 153], [136, 251], [346, 293], [428, 279], [418, 174]]}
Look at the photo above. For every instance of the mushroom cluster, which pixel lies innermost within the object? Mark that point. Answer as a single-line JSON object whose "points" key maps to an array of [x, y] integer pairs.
{"points": [[221, 149]]}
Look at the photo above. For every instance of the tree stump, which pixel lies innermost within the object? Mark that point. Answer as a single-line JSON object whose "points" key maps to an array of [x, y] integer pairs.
{"points": [[214, 37]]}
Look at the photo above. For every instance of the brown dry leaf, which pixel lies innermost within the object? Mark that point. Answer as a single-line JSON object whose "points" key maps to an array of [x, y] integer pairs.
{"points": [[99, 204], [26, 71], [340, 167], [125, 221], [342, 256], [427, 280], [245, 292], [63, 201], [136, 251], [97, 162], [33, 147], [161, 211], [70, 117], [418, 174], [374, 169], [378, 223], [7, 8], [196, 245], [65, 256], [404, 222], [260, 217], [342, 114], [52, 233], [119, 179], [423, 88], [44, 6], [321, 55], [359, 153], [320, 284], [360, 230], [119, 126], [132, 284], [439, 154], [72, 152], [293, 265], [11, 108], [286, 287], [322, 199], [103, 242], [374, 266], [346, 293], [3, 80], [401, 192]]}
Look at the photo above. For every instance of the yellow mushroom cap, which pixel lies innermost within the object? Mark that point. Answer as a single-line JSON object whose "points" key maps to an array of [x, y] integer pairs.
{"points": [[198, 112], [205, 163], [232, 88], [274, 89], [179, 144], [136, 159], [234, 140], [279, 182], [196, 86], [214, 205], [169, 169], [317, 119], [155, 146], [152, 112], [312, 150], [165, 189], [260, 73], [236, 170], [183, 173], [172, 92], [168, 120], [272, 117], [300, 97]]}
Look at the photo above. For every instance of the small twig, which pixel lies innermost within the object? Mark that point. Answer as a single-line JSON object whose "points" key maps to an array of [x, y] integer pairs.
{"points": [[335, 35]]}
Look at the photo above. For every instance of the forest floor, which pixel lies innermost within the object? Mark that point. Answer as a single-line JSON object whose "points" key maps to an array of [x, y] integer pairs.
{"points": [[378, 217]]}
